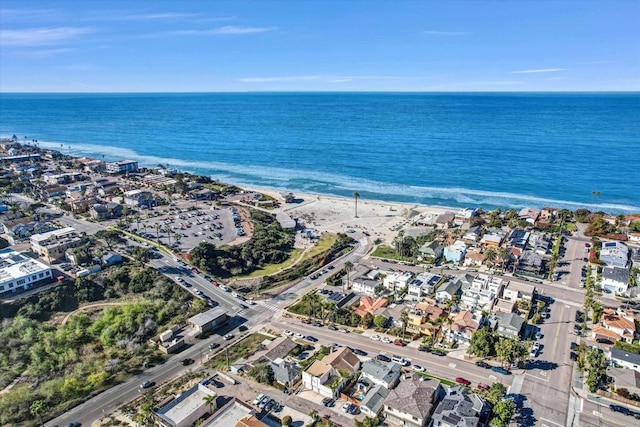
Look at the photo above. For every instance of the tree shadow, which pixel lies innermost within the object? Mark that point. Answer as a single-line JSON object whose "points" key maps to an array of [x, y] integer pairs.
{"points": [[522, 416]]}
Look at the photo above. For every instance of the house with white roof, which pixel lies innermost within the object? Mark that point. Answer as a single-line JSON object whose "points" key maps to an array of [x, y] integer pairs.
{"points": [[614, 254], [364, 285], [529, 214], [455, 252], [483, 291], [423, 285], [19, 272], [396, 281]]}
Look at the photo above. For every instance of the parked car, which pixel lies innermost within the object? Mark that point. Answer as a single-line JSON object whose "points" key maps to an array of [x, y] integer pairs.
{"points": [[484, 387], [463, 381], [359, 352], [439, 353], [374, 337], [258, 399], [618, 408], [228, 336], [500, 370], [417, 368], [425, 349], [383, 358], [213, 345], [186, 362], [328, 402], [399, 343], [147, 384], [312, 339], [483, 364]]}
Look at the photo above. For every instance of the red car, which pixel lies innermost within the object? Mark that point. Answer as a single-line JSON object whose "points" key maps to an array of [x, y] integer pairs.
{"points": [[461, 380], [214, 283], [484, 387], [399, 343]]}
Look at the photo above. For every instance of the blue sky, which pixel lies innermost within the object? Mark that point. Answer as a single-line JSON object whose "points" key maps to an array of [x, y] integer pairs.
{"points": [[193, 46]]}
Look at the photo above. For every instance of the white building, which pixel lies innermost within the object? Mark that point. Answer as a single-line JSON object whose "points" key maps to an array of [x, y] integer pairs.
{"points": [[455, 252], [364, 285], [483, 291], [18, 272], [139, 198], [423, 285], [53, 244], [614, 254], [188, 407], [615, 279], [122, 166], [396, 281]]}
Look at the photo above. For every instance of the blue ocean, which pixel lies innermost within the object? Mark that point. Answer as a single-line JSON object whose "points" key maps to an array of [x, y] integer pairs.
{"points": [[447, 149]]}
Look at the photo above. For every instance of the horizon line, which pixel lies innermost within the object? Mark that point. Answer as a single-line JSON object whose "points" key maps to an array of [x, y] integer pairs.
{"points": [[631, 91]]}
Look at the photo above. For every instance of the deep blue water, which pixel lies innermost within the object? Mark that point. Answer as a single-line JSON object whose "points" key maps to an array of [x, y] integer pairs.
{"points": [[507, 150]]}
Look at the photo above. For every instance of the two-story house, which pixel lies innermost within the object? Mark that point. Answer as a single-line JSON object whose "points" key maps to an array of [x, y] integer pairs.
{"points": [[397, 281], [423, 285], [455, 252], [412, 402], [460, 408], [384, 374], [328, 376]]}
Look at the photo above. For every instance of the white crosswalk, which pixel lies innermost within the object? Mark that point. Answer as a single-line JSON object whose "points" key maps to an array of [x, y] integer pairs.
{"points": [[271, 306]]}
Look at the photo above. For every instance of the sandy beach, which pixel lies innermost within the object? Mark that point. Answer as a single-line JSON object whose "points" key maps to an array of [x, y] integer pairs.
{"points": [[337, 214]]}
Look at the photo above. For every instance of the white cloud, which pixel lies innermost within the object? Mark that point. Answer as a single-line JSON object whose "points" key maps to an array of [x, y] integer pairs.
{"points": [[41, 36], [227, 30], [539, 70], [445, 33], [155, 16], [43, 53], [279, 79]]}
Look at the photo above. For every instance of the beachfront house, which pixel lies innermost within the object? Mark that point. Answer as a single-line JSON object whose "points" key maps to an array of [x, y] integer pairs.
{"points": [[122, 166], [431, 251], [614, 254]]}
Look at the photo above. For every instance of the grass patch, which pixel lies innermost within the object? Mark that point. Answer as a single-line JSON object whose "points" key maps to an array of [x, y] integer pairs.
{"points": [[243, 348], [274, 268], [388, 252], [326, 241], [443, 381]]}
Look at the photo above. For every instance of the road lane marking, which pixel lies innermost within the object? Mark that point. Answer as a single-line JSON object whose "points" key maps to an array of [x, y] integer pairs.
{"points": [[555, 342]]}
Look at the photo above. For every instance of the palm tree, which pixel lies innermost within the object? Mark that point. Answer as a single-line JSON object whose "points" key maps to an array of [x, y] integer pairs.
{"points": [[348, 266], [404, 318], [211, 402], [356, 195], [167, 229], [158, 227], [490, 255]]}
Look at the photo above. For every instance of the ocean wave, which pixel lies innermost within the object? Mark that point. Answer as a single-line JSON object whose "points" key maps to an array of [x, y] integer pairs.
{"points": [[334, 184]]}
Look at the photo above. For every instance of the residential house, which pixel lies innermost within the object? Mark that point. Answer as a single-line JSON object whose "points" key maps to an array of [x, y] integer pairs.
{"points": [[431, 251], [53, 244], [364, 285], [615, 279], [369, 305], [373, 401], [20, 229], [473, 234], [518, 238], [614, 254], [529, 214], [139, 198], [482, 292], [515, 291], [463, 216], [474, 258], [455, 252], [53, 192], [423, 319], [384, 374], [79, 203], [530, 264], [448, 290], [615, 326], [634, 238], [503, 306], [280, 348], [463, 326], [106, 187], [412, 402], [328, 376], [111, 258], [285, 372], [547, 215], [492, 238], [19, 272], [105, 211], [635, 257], [396, 281], [423, 285], [122, 166], [626, 359], [509, 325], [539, 243], [460, 408], [444, 220]]}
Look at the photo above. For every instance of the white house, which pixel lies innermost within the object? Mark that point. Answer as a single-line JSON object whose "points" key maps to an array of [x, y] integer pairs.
{"points": [[614, 254], [19, 272], [615, 279], [455, 252], [626, 359], [384, 374], [364, 285], [396, 281], [423, 285], [483, 291]]}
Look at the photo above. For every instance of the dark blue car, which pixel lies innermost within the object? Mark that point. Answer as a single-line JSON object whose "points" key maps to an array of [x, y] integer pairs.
{"points": [[500, 370]]}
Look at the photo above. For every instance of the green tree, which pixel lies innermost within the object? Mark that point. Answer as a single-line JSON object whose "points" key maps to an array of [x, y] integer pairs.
{"points": [[110, 237], [380, 321], [368, 422], [210, 401], [348, 267], [482, 343], [356, 196], [496, 393], [262, 373], [286, 421], [502, 413], [404, 318], [37, 408]]}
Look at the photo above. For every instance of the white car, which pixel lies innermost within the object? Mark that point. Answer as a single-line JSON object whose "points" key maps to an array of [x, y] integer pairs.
{"points": [[228, 336], [287, 332], [417, 368], [374, 337], [386, 340], [298, 335]]}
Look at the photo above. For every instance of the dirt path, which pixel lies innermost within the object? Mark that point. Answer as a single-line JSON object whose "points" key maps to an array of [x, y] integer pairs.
{"points": [[90, 307]]}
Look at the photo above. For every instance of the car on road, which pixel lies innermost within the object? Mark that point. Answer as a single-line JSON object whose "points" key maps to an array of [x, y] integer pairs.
{"points": [[483, 364], [500, 370], [386, 340], [374, 337], [399, 343], [312, 339], [228, 336], [463, 381], [359, 352], [438, 353], [213, 345], [417, 368], [186, 362], [298, 335], [383, 358], [328, 402], [484, 387], [258, 399], [425, 349], [618, 408], [147, 384], [287, 332]]}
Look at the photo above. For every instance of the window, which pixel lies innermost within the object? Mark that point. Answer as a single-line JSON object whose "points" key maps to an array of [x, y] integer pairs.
{"points": [[41, 275], [21, 281], [34, 277]]}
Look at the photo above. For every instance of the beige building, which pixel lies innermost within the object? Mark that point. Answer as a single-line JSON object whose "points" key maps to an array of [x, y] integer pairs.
{"points": [[52, 245]]}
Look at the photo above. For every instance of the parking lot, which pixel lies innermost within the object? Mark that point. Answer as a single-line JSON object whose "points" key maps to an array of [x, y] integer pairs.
{"points": [[184, 229]]}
